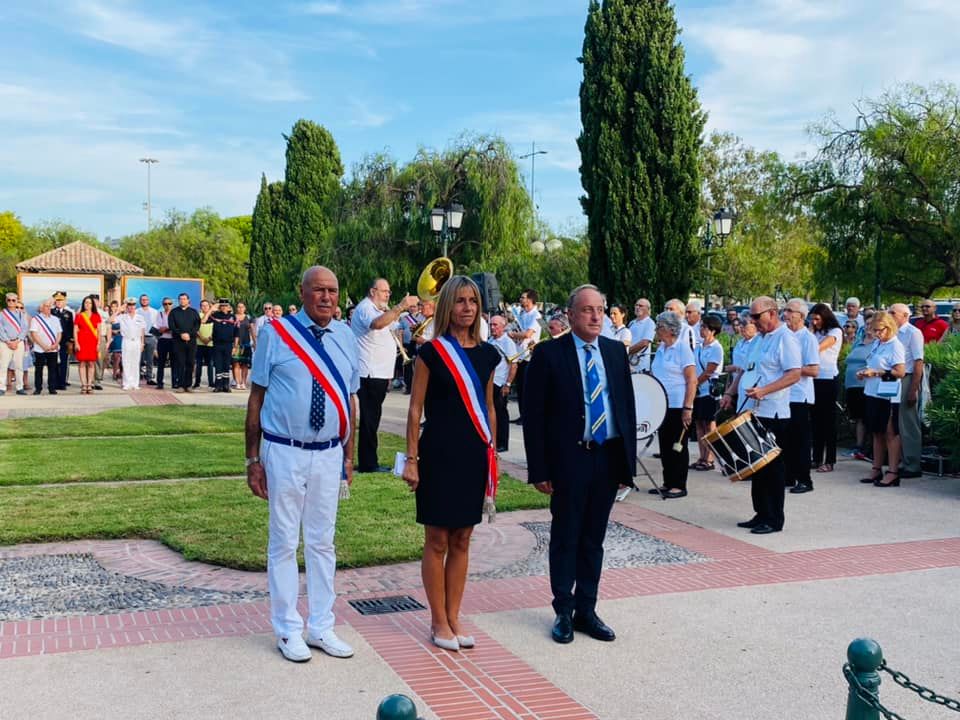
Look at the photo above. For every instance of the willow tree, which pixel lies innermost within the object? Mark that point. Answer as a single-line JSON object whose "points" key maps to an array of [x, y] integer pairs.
{"points": [[639, 147]]}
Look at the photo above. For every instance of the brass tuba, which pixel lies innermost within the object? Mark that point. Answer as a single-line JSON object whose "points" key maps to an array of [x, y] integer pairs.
{"points": [[429, 284]]}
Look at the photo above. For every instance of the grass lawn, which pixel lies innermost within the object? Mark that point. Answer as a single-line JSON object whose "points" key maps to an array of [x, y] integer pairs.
{"points": [[148, 420], [216, 521]]}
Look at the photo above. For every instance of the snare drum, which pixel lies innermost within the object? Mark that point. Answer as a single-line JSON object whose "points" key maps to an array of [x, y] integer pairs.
{"points": [[743, 446], [650, 400]]}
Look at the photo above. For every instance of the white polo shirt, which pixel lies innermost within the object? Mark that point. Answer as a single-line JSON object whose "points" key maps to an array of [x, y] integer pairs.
{"points": [[642, 330], [507, 348], [829, 358], [706, 354], [883, 356], [802, 390], [777, 352], [911, 338], [377, 348], [668, 366]]}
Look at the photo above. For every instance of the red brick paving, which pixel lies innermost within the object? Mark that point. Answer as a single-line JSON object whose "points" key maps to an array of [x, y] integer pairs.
{"points": [[488, 681]]}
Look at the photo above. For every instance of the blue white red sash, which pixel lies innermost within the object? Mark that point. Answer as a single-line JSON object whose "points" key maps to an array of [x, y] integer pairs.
{"points": [[312, 353], [13, 320], [51, 336], [473, 395]]}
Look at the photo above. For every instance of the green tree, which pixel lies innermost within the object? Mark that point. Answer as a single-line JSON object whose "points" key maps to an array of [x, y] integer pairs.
{"points": [[639, 149], [15, 245], [200, 245], [311, 193], [266, 237], [887, 194]]}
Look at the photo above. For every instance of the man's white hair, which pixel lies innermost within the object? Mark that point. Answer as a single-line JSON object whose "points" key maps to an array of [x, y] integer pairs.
{"points": [[853, 301], [798, 305]]}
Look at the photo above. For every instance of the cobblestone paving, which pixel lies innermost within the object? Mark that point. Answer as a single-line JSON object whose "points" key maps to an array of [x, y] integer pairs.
{"points": [[623, 547], [50, 586]]}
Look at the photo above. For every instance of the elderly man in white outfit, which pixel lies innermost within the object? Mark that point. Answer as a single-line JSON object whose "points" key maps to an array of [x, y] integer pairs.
{"points": [[299, 443], [133, 330], [13, 342]]}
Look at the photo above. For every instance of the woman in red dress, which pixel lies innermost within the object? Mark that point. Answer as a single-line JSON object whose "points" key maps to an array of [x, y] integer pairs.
{"points": [[86, 342]]}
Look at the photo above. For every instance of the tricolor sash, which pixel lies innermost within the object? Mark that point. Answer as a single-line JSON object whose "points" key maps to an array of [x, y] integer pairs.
{"points": [[51, 336], [13, 320], [89, 323], [473, 395], [312, 353]]}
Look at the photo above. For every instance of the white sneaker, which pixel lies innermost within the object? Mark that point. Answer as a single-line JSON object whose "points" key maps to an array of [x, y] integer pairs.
{"points": [[623, 492], [294, 649], [330, 644]]}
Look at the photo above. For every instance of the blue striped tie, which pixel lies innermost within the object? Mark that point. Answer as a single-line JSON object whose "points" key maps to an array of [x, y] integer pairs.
{"points": [[318, 398], [598, 417]]}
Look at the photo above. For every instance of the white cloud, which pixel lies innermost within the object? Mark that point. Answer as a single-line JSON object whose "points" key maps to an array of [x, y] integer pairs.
{"points": [[776, 66], [323, 8]]}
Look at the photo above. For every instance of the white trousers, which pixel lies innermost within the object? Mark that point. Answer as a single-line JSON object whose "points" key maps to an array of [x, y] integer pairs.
{"points": [[11, 359], [130, 357], [304, 490]]}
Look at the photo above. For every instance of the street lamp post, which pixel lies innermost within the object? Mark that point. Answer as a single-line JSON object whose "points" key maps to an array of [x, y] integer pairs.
{"points": [[533, 174], [149, 161], [717, 230], [445, 222]]}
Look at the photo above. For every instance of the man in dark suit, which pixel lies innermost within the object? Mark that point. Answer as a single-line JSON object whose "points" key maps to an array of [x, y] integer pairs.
{"points": [[65, 315], [579, 432]]}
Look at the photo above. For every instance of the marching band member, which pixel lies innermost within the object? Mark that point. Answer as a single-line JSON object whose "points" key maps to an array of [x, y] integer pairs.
{"points": [[686, 332], [826, 329], [373, 323], [619, 331], [452, 466], [503, 378], [692, 316], [674, 367], [777, 359], [527, 334], [742, 359], [579, 432], [642, 330], [299, 438], [557, 326], [798, 441], [709, 357], [911, 437]]}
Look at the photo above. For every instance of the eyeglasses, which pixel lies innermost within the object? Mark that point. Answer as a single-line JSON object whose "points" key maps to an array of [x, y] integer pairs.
{"points": [[13, 300], [757, 316], [168, 303]]}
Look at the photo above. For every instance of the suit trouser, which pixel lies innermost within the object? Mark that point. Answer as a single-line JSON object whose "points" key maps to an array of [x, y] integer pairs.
{"points": [[370, 398], [580, 508], [204, 356], [766, 486], [221, 362], [824, 421], [50, 361], [911, 436], [165, 350], [12, 359], [518, 380], [149, 348], [63, 367], [304, 489], [796, 445], [503, 417], [411, 349], [102, 355], [184, 354], [675, 464]]}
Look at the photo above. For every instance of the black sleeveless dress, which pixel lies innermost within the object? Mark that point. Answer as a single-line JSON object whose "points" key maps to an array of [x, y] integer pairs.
{"points": [[453, 459]]}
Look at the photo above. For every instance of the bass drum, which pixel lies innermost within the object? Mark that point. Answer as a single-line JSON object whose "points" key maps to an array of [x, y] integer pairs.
{"points": [[650, 400]]}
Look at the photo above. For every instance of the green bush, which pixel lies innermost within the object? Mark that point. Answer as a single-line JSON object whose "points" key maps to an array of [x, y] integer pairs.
{"points": [[943, 412]]}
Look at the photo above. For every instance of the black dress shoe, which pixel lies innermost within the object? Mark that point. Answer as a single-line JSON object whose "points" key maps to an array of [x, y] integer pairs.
{"points": [[518, 421], [159, 386], [763, 529], [752, 523], [53, 392], [37, 391], [151, 382], [98, 387], [593, 626], [562, 631], [801, 488]]}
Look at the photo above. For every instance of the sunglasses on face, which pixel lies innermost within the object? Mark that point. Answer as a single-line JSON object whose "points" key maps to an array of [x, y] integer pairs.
{"points": [[926, 307], [757, 316]]}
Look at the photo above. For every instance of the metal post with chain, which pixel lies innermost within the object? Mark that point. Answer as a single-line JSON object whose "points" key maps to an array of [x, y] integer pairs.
{"points": [[863, 702]]}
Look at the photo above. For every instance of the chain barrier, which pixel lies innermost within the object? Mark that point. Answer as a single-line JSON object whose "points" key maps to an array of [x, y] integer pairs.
{"points": [[866, 696], [926, 693]]}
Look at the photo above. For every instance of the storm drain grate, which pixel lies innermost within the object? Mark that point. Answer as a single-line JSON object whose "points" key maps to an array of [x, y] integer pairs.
{"points": [[386, 605]]}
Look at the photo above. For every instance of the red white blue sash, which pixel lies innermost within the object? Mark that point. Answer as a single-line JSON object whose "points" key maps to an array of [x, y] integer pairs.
{"points": [[473, 395], [321, 366], [13, 320], [51, 336]]}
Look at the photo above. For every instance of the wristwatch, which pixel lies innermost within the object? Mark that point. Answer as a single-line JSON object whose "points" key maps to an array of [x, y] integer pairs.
{"points": [[251, 461], [508, 384]]}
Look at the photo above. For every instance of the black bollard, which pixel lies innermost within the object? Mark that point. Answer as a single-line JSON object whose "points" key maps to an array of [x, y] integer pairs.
{"points": [[397, 707], [865, 658]]}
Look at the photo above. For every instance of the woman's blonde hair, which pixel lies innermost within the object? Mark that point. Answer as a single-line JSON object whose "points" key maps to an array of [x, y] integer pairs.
{"points": [[448, 299], [885, 319]]}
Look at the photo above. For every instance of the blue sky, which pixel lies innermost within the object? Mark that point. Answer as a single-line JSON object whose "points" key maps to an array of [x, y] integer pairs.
{"points": [[207, 88]]}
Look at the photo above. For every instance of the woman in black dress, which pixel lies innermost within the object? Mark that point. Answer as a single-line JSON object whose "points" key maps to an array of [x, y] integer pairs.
{"points": [[447, 466]]}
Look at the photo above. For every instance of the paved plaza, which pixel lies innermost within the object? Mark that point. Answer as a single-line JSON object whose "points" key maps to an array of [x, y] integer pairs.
{"points": [[712, 622]]}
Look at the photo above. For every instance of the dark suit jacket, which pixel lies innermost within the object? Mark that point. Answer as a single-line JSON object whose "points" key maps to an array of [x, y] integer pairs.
{"points": [[554, 413]]}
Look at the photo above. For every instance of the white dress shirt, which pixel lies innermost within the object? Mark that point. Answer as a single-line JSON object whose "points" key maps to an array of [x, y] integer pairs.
{"points": [[377, 348], [507, 348], [579, 344]]}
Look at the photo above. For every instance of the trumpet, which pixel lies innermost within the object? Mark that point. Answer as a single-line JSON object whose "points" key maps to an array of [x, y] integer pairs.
{"points": [[529, 349]]}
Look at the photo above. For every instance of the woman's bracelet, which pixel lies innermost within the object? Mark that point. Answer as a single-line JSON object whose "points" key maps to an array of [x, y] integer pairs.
{"points": [[688, 408], [412, 458]]}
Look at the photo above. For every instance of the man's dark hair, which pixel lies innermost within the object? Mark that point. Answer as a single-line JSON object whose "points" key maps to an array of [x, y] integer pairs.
{"points": [[531, 294]]}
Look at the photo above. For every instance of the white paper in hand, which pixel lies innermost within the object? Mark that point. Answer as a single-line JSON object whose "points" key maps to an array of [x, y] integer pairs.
{"points": [[399, 461]]}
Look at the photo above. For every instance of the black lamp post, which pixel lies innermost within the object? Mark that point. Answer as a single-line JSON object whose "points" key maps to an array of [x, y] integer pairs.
{"points": [[445, 222], [717, 230]]}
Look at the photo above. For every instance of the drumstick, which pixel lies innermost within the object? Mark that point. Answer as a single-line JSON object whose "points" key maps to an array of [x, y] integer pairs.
{"points": [[678, 445]]}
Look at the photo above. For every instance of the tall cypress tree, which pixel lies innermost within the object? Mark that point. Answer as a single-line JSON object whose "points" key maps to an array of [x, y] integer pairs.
{"points": [[311, 190], [267, 246], [639, 147]]}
